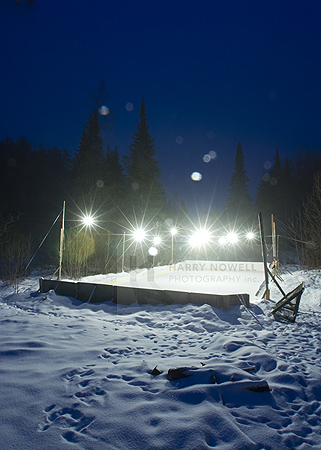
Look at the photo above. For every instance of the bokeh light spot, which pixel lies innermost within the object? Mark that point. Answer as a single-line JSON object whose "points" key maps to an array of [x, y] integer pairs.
{"points": [[267, 165], [179, 140], [206, 158], [212, 154], [103, 110], [100, 183], [129, 106], [153, 251], [196, 176]]}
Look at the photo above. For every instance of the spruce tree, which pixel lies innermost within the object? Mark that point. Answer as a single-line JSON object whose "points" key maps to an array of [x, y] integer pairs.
{"points": [[275, 193], [239, 202], [88, 162], [267, 191], [114, 184], [279, 178], [142, 167]]}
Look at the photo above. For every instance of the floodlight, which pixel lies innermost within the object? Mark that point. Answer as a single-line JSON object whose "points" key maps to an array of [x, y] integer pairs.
{"points": [[232, 238], [139, 234], [88, 221], [157, 240], [199, 238]]}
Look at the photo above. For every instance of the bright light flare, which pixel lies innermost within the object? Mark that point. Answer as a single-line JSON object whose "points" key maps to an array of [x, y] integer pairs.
{"points": [[199, 238], [157, 240], [250, 236], [88, 221], [232, 238], [139, 234], [222, 240], [174, 231]]}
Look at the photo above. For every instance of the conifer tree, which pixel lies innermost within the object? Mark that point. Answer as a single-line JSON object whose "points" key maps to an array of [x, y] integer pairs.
{"points": [[114, 183], [142, 167], [88, 162], [267, 191], [275, 191], [113, 172], [239, 202]]}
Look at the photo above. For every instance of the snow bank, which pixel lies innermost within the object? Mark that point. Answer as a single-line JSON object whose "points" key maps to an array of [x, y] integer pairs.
{"points": [[81, 375]]}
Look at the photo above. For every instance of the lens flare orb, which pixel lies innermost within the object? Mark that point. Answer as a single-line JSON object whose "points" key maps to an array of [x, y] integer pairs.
{"points": [[104, 111], [196, 176], [153, 251]]}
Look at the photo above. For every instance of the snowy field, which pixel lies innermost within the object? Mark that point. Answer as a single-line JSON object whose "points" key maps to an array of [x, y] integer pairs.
{"points": [[80, 376]]}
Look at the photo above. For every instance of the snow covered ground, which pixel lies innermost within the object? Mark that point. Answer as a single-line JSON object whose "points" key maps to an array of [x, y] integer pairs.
{"points": [[80, 376]]}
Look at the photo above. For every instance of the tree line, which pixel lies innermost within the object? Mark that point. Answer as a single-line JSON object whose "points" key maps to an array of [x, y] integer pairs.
{"points": [[291, 192], [128, 193]]}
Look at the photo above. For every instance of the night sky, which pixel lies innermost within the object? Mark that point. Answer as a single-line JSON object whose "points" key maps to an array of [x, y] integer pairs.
{"points": [[212, 74]]}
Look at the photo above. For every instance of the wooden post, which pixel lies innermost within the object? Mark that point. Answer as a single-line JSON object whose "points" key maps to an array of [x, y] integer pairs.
{"points": [[274, 250], [266, 275], [61, 239]]}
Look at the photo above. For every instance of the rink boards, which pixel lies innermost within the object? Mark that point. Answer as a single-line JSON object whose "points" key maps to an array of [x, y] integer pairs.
{"points": [[126, 295]]}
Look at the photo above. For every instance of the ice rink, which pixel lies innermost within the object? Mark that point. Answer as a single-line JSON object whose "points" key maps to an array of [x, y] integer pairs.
{"points": [[212, 277]]}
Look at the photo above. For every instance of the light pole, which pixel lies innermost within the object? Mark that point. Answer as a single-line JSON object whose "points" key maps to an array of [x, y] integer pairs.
{"points": [[62, 230], [139, 235], [123, 255], [153, 252], [173, 233]]}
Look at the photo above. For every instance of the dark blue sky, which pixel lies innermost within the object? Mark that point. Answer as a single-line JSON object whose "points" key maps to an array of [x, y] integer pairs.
{"points": [[212, 74]]}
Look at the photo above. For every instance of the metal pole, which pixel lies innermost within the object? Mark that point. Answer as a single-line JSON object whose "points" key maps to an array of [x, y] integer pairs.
{"points": [[61, 239], [123, 257], [266, 276]]}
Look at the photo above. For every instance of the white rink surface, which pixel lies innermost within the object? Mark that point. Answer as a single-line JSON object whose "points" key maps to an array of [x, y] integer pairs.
{"points": [[213, 277]]}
